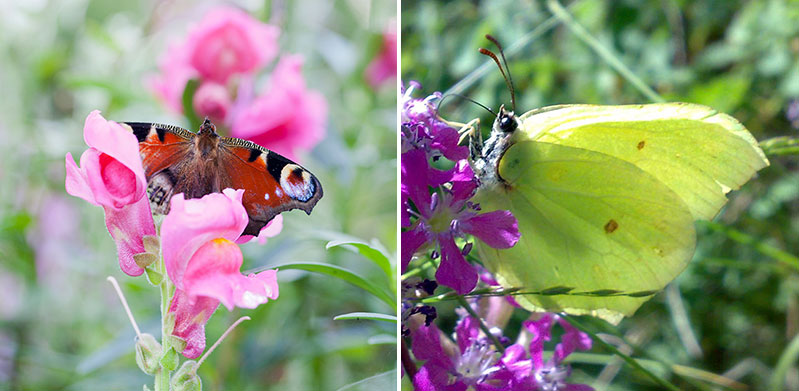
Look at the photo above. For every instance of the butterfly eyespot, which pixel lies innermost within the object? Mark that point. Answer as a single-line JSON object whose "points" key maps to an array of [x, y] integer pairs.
{"points": [[611, 226], [641, 144]]}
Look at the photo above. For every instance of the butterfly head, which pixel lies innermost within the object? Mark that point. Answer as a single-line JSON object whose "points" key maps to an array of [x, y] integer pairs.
{"points": [[207, 140], [506, 121], [208, 128]]}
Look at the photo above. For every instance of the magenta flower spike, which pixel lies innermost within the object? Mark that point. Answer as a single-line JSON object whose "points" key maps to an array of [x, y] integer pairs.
{"points": [[111, 176], [204, 263]]}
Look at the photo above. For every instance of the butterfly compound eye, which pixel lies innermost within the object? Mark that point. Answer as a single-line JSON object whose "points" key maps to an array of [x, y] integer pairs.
{"points": [[507, 123]]}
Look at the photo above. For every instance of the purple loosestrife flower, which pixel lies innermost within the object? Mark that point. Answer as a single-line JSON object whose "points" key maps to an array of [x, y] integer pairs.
{"points": [[535, 373], [447, 213], [472, 364]]}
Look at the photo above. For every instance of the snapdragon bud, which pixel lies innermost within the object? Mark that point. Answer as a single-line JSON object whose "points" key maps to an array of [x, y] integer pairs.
{"points": [[148, 353], [186, 378]]}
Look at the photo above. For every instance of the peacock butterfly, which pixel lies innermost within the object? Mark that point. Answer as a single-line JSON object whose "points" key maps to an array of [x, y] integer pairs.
{"points": [[195, 164]]}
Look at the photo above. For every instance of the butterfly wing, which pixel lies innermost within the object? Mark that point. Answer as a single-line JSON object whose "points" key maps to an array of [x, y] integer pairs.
{"points": [[164, 151], [272, 183], [699, 153], [591, 224]]}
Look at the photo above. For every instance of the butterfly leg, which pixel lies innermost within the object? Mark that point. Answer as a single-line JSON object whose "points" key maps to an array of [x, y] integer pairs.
{"points": [[471, 132]]}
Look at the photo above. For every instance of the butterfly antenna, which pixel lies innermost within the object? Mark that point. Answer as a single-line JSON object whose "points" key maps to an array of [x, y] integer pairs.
{"points": [[440, 102], [508, 77]]}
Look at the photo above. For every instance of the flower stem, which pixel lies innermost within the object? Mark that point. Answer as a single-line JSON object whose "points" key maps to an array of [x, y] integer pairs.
{"points": [[610, 58], [113, 282], [162, 376], [482, 324], [222, 338]]}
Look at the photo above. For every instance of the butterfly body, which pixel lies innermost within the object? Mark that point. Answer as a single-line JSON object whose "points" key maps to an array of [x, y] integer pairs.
{"points": [[195, 164], [606, 198]]}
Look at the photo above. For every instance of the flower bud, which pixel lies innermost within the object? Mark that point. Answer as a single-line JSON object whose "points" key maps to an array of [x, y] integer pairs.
{"points": [[148, 352], [186, 378]]}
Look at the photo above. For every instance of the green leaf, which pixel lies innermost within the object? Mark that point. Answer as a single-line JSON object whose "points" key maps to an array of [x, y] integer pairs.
{"points": [[369, 252], [188, 103], [343, 274], [367, 315], [382, 381], [170, 359]]}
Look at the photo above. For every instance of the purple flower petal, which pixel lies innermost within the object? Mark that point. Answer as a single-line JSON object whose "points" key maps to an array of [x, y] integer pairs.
{"points": [[454, 271], [414, 179], [570, 341], [466, 332], [541, 330], [498, 229], [411, 241]]}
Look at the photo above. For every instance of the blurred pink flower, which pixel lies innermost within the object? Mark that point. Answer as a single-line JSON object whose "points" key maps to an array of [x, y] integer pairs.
{"points": [[203, 263], [226, 42], [229, 41], [285, 118], [384, 67], [212, 100], [111, 176]]}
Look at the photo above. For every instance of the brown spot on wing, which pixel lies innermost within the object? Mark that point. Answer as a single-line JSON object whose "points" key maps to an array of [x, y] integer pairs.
{"points": [[641, 144], [611, 226]]}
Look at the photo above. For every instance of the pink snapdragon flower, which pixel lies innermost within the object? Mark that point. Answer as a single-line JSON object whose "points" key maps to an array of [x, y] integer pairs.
{"points": [[203, 262], [286, 117], [383, 68], [111, 176], [225, 43]]}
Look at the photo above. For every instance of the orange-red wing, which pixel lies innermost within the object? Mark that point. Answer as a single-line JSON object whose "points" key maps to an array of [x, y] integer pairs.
{"points": [[160, 146], [271, 183]]}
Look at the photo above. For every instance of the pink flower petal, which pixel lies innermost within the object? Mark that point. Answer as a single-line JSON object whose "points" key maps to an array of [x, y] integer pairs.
{"points": [[213, 271], [127, 226], [114, 140], [191, 315], [498, 229], [192, 223], [454, 271], [76, 182]]}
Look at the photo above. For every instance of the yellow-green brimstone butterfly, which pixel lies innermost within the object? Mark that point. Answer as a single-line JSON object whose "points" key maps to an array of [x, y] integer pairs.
{"points": [[606, 198]]}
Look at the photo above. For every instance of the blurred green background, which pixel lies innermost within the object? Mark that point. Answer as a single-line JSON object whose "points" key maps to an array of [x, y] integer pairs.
{"points": [[736, 308], [61, 325]]}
